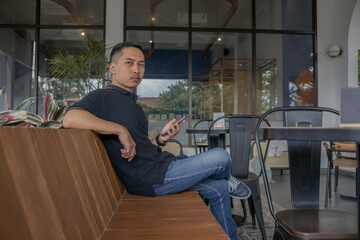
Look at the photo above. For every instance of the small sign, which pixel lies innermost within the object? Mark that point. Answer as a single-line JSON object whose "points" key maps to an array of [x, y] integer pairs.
{"points": [[221, 123]]}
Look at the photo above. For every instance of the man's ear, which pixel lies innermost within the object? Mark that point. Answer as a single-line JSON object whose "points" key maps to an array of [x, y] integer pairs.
{"points": [[112, 67]]}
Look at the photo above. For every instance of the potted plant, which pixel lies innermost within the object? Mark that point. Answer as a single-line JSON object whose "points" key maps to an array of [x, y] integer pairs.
{"points": [[53, 114]]}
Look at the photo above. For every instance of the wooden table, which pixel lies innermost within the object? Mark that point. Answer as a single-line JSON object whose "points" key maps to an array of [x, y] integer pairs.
{"points": [[319, 134]]}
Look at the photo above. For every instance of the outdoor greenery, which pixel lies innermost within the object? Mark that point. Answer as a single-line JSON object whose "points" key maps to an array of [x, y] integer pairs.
{"points": [[78, 71], [175, 100], [206, 99]]}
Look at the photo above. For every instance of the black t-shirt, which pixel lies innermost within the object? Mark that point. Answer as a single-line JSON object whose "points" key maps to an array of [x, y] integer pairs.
{"points": [[150, 164]]}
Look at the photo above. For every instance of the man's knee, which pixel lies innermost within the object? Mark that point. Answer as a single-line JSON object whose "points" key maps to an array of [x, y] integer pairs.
{"points": [[220, 188], [221, 155]]}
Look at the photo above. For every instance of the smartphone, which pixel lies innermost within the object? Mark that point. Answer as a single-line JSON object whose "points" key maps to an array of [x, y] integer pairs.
{"points": [[180, 121]]}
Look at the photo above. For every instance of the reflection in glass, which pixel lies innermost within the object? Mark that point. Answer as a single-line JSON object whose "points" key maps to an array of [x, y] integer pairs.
{"points": [[68, 48], [221, 74], [290, 73], [76, 12], [163, 93], [284, 14], [17, 12], [171, 13], [221, 13], [17, 65]]}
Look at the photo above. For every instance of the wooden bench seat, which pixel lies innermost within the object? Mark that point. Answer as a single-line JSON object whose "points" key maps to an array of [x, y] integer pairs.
{"points": [[59, 184]]}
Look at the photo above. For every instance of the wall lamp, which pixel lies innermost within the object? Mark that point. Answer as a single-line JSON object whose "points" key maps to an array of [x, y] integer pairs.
{"points": [[334, 51]]}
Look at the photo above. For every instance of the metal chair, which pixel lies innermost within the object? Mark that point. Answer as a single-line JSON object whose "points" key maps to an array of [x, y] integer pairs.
{"points": [[200, 146], [305, 220], [175, 147], [241, 131], [343, 159]]}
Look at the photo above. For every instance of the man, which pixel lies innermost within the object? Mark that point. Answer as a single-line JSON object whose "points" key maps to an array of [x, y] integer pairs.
{"points": [[140, 164]]}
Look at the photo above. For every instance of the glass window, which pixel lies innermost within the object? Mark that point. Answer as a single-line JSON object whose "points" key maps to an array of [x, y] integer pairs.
{"points": [[222, 75], [76, 12], [284, 14], [67, 48], [171, 13], [17, 65], [163, 93], [284, 71], [221, 13], [17, 12]]}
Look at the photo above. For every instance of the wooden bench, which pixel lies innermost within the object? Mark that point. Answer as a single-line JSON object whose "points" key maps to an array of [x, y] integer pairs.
{"points": [[59, 184]]}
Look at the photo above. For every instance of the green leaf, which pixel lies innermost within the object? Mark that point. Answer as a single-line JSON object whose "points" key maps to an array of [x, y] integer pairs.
{"points": [[52, 109], [27, 102], [45, 105], [7, 103], [60, 113], [3, 120], [51, 124], [15, 116], [33, 119]]}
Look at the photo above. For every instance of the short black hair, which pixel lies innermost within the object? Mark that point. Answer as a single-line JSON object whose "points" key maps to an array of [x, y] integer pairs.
{"points": [[118, 47]]}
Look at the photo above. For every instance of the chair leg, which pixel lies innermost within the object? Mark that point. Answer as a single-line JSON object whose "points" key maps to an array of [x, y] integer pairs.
{"points": [[244, 209], [278, 235], [336, 178], [239, 220], [256, 201], [327, 185], [252, 211], [330, 183]]}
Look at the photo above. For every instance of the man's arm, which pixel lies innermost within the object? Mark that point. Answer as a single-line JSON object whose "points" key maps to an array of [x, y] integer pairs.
{"points": [[82, 119]]}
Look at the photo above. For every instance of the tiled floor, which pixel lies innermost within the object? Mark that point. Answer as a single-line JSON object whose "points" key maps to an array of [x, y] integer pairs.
{"points": [[280, 191]]}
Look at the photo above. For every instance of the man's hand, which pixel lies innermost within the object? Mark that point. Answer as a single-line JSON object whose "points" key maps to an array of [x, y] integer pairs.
{"points": [[172, 132], [129, 150]]}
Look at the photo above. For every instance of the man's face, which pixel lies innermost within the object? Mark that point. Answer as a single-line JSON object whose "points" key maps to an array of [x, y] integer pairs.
{"points": [[129, 70]]}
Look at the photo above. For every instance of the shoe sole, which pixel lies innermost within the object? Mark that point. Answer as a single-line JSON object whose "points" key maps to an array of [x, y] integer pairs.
{"points": [[245, 197], [241, 198]]}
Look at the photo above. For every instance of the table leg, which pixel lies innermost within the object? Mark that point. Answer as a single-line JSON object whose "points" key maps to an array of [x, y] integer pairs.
{"points": [[222, 141]]}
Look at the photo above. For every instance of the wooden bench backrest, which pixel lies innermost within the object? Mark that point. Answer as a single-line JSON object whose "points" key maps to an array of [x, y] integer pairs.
{"points": [[55, 184]]}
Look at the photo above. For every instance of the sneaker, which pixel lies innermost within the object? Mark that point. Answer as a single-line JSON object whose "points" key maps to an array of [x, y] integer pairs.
{"points": [[238, 189]]}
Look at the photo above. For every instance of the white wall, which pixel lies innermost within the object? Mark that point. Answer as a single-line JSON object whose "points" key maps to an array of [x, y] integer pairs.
{"points": [[333, 28], [354, 46], [114, 22], [333, 25]]}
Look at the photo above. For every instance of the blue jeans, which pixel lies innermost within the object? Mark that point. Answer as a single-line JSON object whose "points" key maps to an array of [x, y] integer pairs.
{"points": [[206, 173]]}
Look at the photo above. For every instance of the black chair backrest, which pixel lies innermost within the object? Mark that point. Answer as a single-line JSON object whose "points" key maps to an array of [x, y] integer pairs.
{"points": [[305, 187], [241, 131]]}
